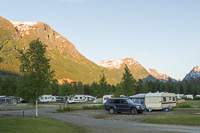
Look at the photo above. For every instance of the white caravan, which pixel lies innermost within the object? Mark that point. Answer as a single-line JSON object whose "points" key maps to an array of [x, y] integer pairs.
{"points": [[160, 100], [47, 98], [90, 98], [106, 97], [189, 96], [77, 99]]}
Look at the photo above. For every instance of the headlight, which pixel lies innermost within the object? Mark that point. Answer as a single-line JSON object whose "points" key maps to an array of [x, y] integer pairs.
{"points": [[138, 107]]}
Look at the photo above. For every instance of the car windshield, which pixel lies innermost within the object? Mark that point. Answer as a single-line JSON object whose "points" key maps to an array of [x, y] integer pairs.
{"points": [[129, 100]]}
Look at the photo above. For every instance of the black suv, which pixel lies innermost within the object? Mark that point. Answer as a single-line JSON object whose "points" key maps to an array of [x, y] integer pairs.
{"points": [[123, 105]]}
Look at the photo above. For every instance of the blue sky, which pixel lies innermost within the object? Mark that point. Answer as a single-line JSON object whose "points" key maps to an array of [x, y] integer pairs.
{"points": [[159, 34]]}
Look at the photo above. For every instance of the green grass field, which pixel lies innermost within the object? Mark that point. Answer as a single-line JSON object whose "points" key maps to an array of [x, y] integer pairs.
{"points": [[11, 124], [17, 108], [178, 119]]}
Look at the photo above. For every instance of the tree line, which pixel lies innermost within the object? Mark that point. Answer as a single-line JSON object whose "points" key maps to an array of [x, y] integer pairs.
{"points": [[128, 86]]}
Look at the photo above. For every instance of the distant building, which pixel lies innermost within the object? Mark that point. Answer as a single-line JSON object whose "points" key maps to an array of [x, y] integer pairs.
{"points": [[7, 100]]}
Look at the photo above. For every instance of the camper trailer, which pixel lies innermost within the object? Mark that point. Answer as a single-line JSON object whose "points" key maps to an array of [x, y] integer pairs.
{"points": [[106, 97], [189, 96], [139, 98], [47, 98], [90, 98], [160, 100], [77, 99]]}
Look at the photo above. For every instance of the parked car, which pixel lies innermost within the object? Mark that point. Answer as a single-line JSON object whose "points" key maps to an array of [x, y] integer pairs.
{"points": [[123, 105]]}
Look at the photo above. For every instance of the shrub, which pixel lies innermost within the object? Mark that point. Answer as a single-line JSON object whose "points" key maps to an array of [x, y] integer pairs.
{"points": [[93, 107], [66, 109], [196, 98], [184, 106]]}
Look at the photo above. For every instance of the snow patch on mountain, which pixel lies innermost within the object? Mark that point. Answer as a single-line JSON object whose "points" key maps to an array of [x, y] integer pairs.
{"points": [[23, 27], [116, 64], [111, 64], [196, 69]]}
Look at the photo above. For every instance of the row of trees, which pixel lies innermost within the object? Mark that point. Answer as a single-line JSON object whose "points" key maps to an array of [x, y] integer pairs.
{"points": [[11, 86]]}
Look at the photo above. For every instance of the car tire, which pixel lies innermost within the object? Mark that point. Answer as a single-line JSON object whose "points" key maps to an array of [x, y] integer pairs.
{"points": [[133, 111], [111, 110], [140, 112]]}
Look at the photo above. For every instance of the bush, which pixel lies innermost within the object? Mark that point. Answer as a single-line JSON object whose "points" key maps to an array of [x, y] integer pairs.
{"points": [[184, 106], [93, 107], [196, 98], [66, 109]]}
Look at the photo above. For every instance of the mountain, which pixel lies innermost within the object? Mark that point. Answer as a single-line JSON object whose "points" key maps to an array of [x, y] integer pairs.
{"points": [[67, 62], [160, 76], [117, 68], [194, 73]]}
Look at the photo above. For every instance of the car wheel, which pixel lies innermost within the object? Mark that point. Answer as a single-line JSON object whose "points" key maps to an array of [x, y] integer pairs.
{"points": [[140, 112], [112, 111], [133, 111]]}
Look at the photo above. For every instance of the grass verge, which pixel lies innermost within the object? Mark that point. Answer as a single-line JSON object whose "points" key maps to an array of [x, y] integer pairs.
{"points": [[179, 119], [17, 108], [11, 124], [186, 109]]}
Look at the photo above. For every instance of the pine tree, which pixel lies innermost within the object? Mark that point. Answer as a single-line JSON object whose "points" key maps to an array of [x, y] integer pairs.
{"points": [[128, 82], [103, 85], [119, 91]]}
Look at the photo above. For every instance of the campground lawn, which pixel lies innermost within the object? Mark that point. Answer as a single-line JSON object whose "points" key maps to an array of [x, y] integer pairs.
{"points": [[176, 119], [17, 108], [12, 124]]}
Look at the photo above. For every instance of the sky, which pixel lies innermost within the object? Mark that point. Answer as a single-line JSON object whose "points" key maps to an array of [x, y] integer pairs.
{"points": [[159, 34]]}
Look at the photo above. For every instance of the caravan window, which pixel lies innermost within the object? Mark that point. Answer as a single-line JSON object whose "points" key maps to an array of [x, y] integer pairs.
{"points": [[80, 97], [173, 98], [164, 99]]}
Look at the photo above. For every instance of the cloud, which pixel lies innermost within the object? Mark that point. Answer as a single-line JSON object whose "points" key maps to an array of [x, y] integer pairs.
{"points": [[73, 1]]}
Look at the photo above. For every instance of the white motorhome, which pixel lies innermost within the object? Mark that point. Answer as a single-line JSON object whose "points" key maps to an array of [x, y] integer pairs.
{"points": [[47, 98], [77, 99], [106, 97], [90, 98], [160, 100], [197, 95], [189, 96], [179, 96]]}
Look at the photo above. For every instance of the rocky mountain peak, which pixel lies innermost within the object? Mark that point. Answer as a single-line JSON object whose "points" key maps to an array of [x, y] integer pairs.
{"points": [[194, 73], [157, 74], [196, 69]]}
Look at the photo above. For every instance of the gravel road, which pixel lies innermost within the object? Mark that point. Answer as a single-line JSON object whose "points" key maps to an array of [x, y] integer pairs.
{"points": [[110, 123]]}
